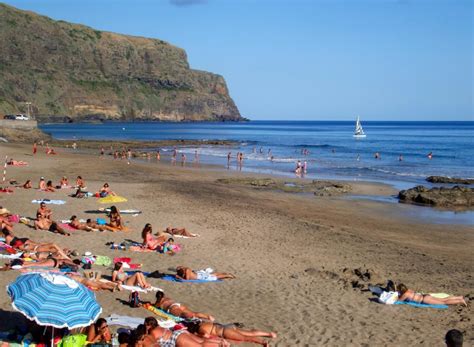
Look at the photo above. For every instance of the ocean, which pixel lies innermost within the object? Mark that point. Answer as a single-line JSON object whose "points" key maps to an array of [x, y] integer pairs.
{"points": [[331, 150]]}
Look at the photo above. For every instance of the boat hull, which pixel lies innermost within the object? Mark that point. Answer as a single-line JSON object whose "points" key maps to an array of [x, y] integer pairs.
{"points": [[359, 136]]}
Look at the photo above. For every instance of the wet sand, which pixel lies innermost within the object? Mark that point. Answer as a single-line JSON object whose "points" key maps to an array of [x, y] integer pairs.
{"points": [[294, 255]]}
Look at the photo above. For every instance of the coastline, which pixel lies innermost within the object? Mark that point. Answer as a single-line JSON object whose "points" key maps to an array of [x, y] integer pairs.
{"points": [[294, 256]]}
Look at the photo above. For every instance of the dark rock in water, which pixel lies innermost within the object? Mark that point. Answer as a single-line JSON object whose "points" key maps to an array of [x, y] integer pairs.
{"points": [[441, 197], [453, 180]]}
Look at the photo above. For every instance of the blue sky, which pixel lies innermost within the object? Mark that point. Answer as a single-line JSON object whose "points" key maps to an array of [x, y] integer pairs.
{"points": [[310, 59]]}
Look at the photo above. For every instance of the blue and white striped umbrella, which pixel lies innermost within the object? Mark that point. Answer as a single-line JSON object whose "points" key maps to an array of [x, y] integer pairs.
{"points": [[54, 300]]}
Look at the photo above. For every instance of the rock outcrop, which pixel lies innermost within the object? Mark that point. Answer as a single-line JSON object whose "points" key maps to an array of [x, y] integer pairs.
{"points": [[440, 197], [71, 73], [452, 180]]}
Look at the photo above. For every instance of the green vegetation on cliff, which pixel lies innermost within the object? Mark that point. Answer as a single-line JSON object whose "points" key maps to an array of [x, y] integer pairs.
{"points": [[73, 72]]}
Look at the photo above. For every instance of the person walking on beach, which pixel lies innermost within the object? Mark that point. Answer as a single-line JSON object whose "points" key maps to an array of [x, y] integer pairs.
{"points": [[229, 155], [196, 156], [183, 159], [158, 156], [35, 147], [102, 152]]}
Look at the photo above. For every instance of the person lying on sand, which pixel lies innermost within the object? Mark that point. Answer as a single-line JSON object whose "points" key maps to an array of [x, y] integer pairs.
{"points": [[91, 224], [105, 191], [42, 223], [44, 211], [228, 331], [27, 185], [405, 294], [95, 284], [185, 273], [80, 193], [50, 262], [74, 223], [151, 334], [120, 277], [177, 309], [16, 162], [181, 232]]}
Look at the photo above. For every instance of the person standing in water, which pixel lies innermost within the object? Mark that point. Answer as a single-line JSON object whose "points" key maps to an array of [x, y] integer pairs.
{"points": [[400, 158], [430, 155]]}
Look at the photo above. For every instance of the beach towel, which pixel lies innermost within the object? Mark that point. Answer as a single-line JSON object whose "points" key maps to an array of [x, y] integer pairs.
{"points": [[11, 256], [67, 227], [6, 190], [125, 321], [172, 278], [162, 314], [128, 211], [112, 199], [416, 304], [48, 201]]}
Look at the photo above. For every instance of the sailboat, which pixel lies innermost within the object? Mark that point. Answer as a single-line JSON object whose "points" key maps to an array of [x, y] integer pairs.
{"points": [[359, 132]]}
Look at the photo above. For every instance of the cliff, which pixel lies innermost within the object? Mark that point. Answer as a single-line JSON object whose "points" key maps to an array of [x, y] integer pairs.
{"points": [[71, 72]]}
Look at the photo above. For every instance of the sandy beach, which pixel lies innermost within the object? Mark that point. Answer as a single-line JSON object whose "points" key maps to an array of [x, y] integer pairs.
{"points": [[294, 255]]}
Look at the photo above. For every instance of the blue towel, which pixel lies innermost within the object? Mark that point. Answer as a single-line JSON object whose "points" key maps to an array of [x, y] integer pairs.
{"points": [[416, 304], [171, 278]]}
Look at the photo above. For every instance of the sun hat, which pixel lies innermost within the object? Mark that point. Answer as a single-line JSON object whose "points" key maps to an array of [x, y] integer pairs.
{"points": [[88, 254], [41, 178], [4, 211]]}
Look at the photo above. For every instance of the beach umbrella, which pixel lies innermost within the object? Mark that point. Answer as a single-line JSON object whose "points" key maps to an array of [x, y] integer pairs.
{"points": [[54, 300]]}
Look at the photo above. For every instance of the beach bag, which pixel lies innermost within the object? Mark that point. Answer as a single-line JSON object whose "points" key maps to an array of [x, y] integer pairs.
{"points": [[101, 221], [76, 340], [134, 299], [388, 298]]}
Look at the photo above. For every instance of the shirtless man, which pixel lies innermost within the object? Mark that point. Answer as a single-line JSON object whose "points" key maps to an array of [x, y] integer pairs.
{"points": [[179, 310], [80, 182], [185, 273], [43, 223], [44, 211]]}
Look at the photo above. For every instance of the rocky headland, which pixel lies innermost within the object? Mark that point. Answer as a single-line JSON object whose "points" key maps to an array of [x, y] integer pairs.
{"points": [[73, 73], [449, 180]]}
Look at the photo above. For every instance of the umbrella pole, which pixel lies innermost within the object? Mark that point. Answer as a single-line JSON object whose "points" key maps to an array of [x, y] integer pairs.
{"points": [[52, 338]]}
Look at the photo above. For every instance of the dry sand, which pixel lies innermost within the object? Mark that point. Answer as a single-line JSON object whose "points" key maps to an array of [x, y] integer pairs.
{"points": [[293, 255]]}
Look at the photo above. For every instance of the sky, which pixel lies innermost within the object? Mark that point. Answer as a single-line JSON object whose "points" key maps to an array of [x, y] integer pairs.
{"points": [[310, 59]]}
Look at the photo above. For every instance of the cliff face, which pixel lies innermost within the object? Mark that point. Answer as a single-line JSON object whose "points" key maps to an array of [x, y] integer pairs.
{"points": [[73, 72]]}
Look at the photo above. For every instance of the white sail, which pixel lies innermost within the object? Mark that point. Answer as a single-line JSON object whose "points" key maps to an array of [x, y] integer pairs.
{"points": [[359, 132]]}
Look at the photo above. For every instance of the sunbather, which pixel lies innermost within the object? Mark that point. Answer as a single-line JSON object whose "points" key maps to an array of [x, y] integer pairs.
{"points": [[181, 232], [16, 162], [64, 183], [49, 187], [151, 242], [80, 182], [25, 244], [74, 223], [153, 335], [137, 279], [405, 294], [105, 191], [95, 284], [228, 331], [44, 211], [43, 223], [177, 309], [115, 219], [27, 185], [49, 262], [4, 222], [186, 273], [42, 184], [90, 223], [99, 332]]}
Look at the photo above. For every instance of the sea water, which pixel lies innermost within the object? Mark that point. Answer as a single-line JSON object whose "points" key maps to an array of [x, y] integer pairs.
{"points": [[274, 147]]}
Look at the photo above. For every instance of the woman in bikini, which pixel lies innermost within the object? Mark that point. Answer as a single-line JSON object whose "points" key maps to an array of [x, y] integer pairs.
{"points": [[152, 334], [120, 277], [228, 331], [64, 183], [91, 224], [99, 332], [80, 182], [105, 191], [25, 244], [95, 284], [115, 219], [185, 273], [151, 242], [4, 223], [406, 294], [48, 262], [27, 185], [49, 187], [179, 310]]}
